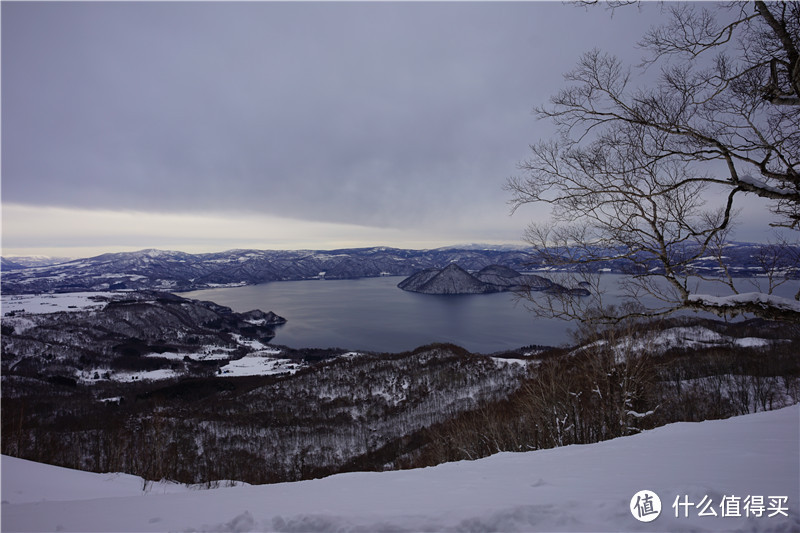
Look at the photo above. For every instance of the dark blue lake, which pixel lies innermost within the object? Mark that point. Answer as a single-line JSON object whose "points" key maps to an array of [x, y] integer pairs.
{"points": [[372, 314]]}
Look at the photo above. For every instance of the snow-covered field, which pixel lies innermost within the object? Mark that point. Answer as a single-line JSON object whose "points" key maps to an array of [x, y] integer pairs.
{"points": [[94, 375], [54, 303], [260, 364], [721, 467]]}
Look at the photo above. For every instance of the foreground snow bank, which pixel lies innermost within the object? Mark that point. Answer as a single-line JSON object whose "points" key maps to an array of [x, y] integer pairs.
{"points": [[575, 488]]}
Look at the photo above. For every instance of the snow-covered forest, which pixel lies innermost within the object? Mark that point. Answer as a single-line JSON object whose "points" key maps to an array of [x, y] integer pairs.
{"points": [[203, 397]]}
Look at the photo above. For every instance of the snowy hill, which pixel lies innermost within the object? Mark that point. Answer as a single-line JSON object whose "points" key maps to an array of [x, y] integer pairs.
{"points": [[7, 264], [510, 279], [726, 464], [493, 278], [450, 280], [160, 334]]}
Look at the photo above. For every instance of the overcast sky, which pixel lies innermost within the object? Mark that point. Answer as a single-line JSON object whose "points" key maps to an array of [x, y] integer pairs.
{"points": [[211, 126]]}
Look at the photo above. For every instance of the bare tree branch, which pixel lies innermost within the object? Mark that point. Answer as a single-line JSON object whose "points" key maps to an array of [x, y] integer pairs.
{"points": [[628, 176]]}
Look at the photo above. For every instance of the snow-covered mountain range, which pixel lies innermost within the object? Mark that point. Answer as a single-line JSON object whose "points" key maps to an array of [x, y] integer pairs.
{"points": [[176, 271], [169, 270], [18, 262]]}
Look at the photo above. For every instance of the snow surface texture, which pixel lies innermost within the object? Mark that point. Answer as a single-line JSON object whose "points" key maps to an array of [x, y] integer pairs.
{"points": [[54, 303], [755, 182], [574, 488], [260, 364], [770, 300], [659, 342]]}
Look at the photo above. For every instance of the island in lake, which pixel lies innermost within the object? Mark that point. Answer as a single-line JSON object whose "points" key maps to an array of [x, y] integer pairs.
{"points": [[494, 278]]}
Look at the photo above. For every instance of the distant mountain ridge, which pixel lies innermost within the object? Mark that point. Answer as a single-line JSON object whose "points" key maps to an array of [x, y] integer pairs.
{"points": [[8, 264], [179, 271], [28, 261]]}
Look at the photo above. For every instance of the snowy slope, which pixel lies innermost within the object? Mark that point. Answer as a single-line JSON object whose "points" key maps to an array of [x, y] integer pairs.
{"points": [[575, 488]]}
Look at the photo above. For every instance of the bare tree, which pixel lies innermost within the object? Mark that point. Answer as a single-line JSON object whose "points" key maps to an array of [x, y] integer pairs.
{"points": [[650, 177]]}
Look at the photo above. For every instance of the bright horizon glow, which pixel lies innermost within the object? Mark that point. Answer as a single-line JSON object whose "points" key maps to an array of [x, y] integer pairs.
{"points": [[32, 230], [66, 232]]}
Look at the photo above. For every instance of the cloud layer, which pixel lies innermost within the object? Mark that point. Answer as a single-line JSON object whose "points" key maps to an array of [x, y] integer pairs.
{"points": [[401, 116]]}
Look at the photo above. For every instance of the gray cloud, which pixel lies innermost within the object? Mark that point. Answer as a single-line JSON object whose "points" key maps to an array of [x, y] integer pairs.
{"points": [[381, 114]]}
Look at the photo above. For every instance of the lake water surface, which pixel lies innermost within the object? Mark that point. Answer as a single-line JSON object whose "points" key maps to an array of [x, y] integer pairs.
{"points": [[372, 314]]}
